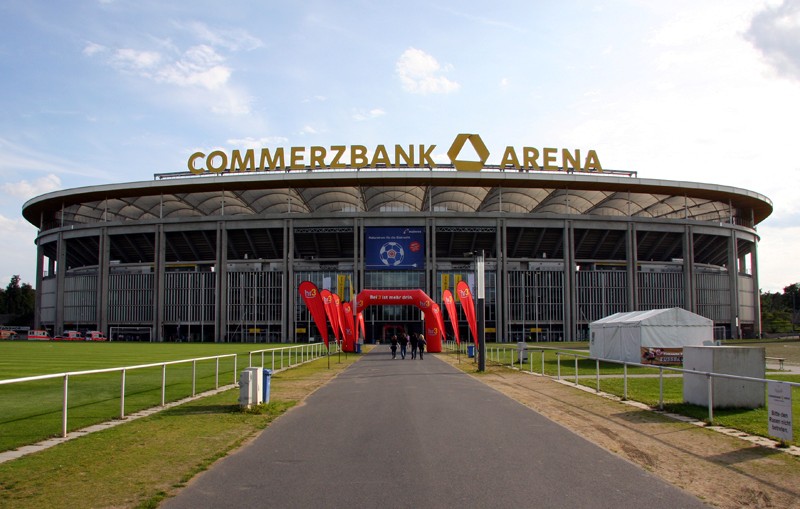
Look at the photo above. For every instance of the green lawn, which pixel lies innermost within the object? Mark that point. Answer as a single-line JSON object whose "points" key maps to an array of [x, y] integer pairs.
{"points": [[32, 411]]}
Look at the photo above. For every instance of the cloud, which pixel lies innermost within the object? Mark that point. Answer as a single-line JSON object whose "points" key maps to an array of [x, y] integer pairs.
{"points": [[131, 60], [775, 32], [361, 115], [257, 143], [28, 189], [19, 257], [420, 73], [92, 49], [233, 40], [201, 68], [19, 159]]}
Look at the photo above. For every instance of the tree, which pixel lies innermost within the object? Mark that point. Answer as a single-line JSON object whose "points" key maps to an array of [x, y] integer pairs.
{"points": [[779, 311], [18, 301]]}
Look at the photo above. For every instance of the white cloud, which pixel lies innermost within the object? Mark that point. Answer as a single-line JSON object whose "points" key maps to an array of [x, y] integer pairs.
{"points": [[233, 40], [132, 60], [775, 269], [92, 49], [308, 130], [775, 31], [361, 115], [420, 73], [200, 68], [19, 256], [257, 143], [28, 189]]}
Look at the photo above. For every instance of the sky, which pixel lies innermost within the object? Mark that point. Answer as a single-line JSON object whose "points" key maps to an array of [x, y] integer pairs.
{"points": [[112, 91]]}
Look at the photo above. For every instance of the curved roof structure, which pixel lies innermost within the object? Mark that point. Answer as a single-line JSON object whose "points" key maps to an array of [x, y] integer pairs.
{"points": [[409, 190]]}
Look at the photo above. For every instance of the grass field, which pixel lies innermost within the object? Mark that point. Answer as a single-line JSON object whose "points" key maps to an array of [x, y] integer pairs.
{"points": [[126, 466], [32, 411]]}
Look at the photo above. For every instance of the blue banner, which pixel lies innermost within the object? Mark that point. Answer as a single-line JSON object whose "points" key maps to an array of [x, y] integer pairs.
{"points": [[395, 248]]}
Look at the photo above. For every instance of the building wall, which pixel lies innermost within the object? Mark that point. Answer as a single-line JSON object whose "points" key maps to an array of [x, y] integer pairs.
{"points": [[214, 298]]}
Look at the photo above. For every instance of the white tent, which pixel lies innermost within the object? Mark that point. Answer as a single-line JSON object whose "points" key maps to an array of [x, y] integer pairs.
{"points": [[627, 336]]}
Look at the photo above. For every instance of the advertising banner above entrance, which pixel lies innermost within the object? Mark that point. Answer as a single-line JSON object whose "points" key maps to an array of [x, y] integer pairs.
{"points": [[394, 248]]}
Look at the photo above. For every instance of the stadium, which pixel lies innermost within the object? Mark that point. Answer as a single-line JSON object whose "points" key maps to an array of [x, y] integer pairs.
{"points": [[217, 253]]}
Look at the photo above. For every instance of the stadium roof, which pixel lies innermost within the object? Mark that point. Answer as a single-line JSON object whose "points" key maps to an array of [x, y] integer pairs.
{"points": [[397, 190]]}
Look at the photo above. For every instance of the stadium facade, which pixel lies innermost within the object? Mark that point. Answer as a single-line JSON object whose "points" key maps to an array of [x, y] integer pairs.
{"points": [[217, 253]]}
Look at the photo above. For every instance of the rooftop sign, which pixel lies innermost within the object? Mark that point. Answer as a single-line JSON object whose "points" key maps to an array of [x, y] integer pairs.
{"points": [[333, 157]]}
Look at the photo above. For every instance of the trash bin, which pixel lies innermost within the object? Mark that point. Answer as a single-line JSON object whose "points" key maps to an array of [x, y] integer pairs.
{"points": [[470, 350], [358, 347], [267, 377]]}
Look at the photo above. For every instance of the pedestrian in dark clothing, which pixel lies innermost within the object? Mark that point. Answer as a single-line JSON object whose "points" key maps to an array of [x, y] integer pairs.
{"points": [[413, 340], [421, 345], [403, 345], [394, 346]]}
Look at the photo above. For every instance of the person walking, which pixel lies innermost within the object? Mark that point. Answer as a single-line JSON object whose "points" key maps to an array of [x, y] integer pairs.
{"points": [[413, 341], [421, 342], [394, 346], [403, 344]]}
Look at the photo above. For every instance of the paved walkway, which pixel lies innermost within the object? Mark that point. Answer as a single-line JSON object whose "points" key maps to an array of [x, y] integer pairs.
{"points": [[419, 433]]}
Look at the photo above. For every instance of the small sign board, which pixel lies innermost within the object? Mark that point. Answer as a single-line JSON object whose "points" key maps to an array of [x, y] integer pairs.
{"points": [[779, 409]]}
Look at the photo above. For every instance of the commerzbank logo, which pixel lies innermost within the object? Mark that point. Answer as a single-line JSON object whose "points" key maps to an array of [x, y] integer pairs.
{"points": [[356, 157], [479, 147]]}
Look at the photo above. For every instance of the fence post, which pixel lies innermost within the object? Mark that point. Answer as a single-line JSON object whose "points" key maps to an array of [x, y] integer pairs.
{"points": [[273, 360], [194, 376], [216, 375], [597, 365], [122, 396], [64, 408], [558, 364], [710, 398], [661, 388], [625, 381], [542, 351], [163, 383], [576, 371]]}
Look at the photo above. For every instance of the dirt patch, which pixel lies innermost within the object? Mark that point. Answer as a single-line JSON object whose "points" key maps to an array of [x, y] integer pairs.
{"points": [[723, 471]]}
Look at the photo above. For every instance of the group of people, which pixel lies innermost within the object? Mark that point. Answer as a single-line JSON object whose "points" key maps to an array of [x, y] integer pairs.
{"points": [[417, 342]]}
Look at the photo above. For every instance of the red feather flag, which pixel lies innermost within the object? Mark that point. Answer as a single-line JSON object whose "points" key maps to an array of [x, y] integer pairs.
{"points": [[468, 305], [311, 296]]}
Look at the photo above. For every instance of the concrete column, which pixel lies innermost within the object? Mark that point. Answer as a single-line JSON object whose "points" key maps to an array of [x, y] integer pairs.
{"points": [[103, 274], [159, 268], [570, 291], [291, 298], [632, 267], [689, 299], [37, 313], [733, 277], [61, 267], [501, 284], [221, 285], [756, 290]]}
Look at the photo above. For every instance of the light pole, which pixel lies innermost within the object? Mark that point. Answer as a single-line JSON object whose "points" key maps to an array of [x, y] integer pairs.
{"points": [[481, 311]]}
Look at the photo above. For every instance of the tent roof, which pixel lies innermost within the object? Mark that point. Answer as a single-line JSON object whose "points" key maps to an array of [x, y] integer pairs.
{"points": [[654, 317]]}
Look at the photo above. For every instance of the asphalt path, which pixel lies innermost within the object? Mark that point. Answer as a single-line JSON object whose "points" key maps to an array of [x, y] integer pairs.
{"points": [[419, 433]]}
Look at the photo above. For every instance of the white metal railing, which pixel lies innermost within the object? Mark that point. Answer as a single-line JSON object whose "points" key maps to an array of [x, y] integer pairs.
{"points": [[710, 376], [123, 371], [495, 354], [305, 352]]}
